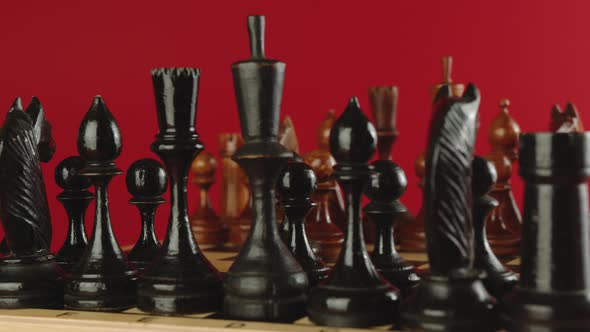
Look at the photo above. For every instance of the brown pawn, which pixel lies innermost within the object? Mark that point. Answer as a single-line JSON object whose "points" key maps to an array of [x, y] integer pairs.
{"points": [[568, 121], [206, 226], [412, 235], [503, 225], [235, 195], [287, 135], [497, 279], [319, 221], [295, 185], [336, 204]]}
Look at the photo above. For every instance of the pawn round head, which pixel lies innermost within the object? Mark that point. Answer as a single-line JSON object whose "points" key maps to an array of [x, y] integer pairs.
{"points": [[297, 181], [353, 138], [388, 182], [484, 176], [67, 174], [204, 165], [146, 178]]}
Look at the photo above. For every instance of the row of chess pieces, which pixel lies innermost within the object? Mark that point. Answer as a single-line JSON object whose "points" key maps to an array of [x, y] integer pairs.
{"points": [[279, 274]]}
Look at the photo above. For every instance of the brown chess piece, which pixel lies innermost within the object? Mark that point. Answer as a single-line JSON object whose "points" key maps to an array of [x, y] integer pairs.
{"points": [[206, 226], [319, 223], [568, 121], [336, 205], [412, 236], [503, 225], [287, 135], [235, 195]]}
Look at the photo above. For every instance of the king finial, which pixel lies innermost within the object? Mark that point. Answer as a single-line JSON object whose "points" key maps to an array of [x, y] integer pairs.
{"points": [[256, 25]]}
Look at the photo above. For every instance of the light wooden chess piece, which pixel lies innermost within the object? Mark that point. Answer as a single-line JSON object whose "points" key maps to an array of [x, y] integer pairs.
{"points": [[205, 224], [503, 225], [568, 121]]}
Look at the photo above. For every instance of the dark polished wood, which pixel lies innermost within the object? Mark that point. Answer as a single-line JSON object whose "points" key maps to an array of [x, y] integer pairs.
{"points": [[29, 274], [452, 298], [497, 279], [103, 280], [354, 295], [235, 209], [181, 280], [75, 199], [567, 121], [206, 225], [319, 225], [146, 181], [387, 185], [295, 185], [265, 282], [503, 224], [553, 293]]}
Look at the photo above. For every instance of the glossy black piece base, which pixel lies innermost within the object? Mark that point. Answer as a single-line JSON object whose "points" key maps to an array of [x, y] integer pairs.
{"points": [[397, 271], [108, 294], [543, 312], [458, 303], [347, 306], [30, 282]]}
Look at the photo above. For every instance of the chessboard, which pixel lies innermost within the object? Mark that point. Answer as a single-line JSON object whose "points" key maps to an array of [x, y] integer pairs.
{"points": [[24, 320]]}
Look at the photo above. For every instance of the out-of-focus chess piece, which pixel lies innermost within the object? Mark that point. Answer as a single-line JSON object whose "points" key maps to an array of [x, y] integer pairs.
{"points": [[287, 134], [206, 225], [354, 295], [503, 224], [295, 185], [146, 181], [75, 199], [412, 234], [497, 279], [180, 280], [568, 121], [235, 210], [29, 274], [265, 282], [553, 293], [388, 183], [452, 298], [102, 280], [319, 221]]}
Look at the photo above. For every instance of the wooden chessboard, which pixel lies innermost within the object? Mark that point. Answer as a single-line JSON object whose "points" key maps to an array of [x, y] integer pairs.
{"points": [[25, 320]]}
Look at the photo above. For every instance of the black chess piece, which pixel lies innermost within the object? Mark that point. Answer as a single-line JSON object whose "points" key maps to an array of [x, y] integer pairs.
{"points": [[387, 184], [75, 199], [102, 280], [498, 279], [146, 181], [181, 280], [29, 274], [296, 184], [453, 297], [553, 293], [265, 282], [354, 295]]}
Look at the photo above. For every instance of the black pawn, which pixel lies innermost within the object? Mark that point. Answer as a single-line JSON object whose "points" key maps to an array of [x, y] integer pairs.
{"points": [[387, 185], [102, 281], [295, 186], [146, 182], [354, 295], [498, 279], [75, 199]]}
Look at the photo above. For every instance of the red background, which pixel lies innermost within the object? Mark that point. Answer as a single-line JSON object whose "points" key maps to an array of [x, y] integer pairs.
{"points": [[533, 52]]}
